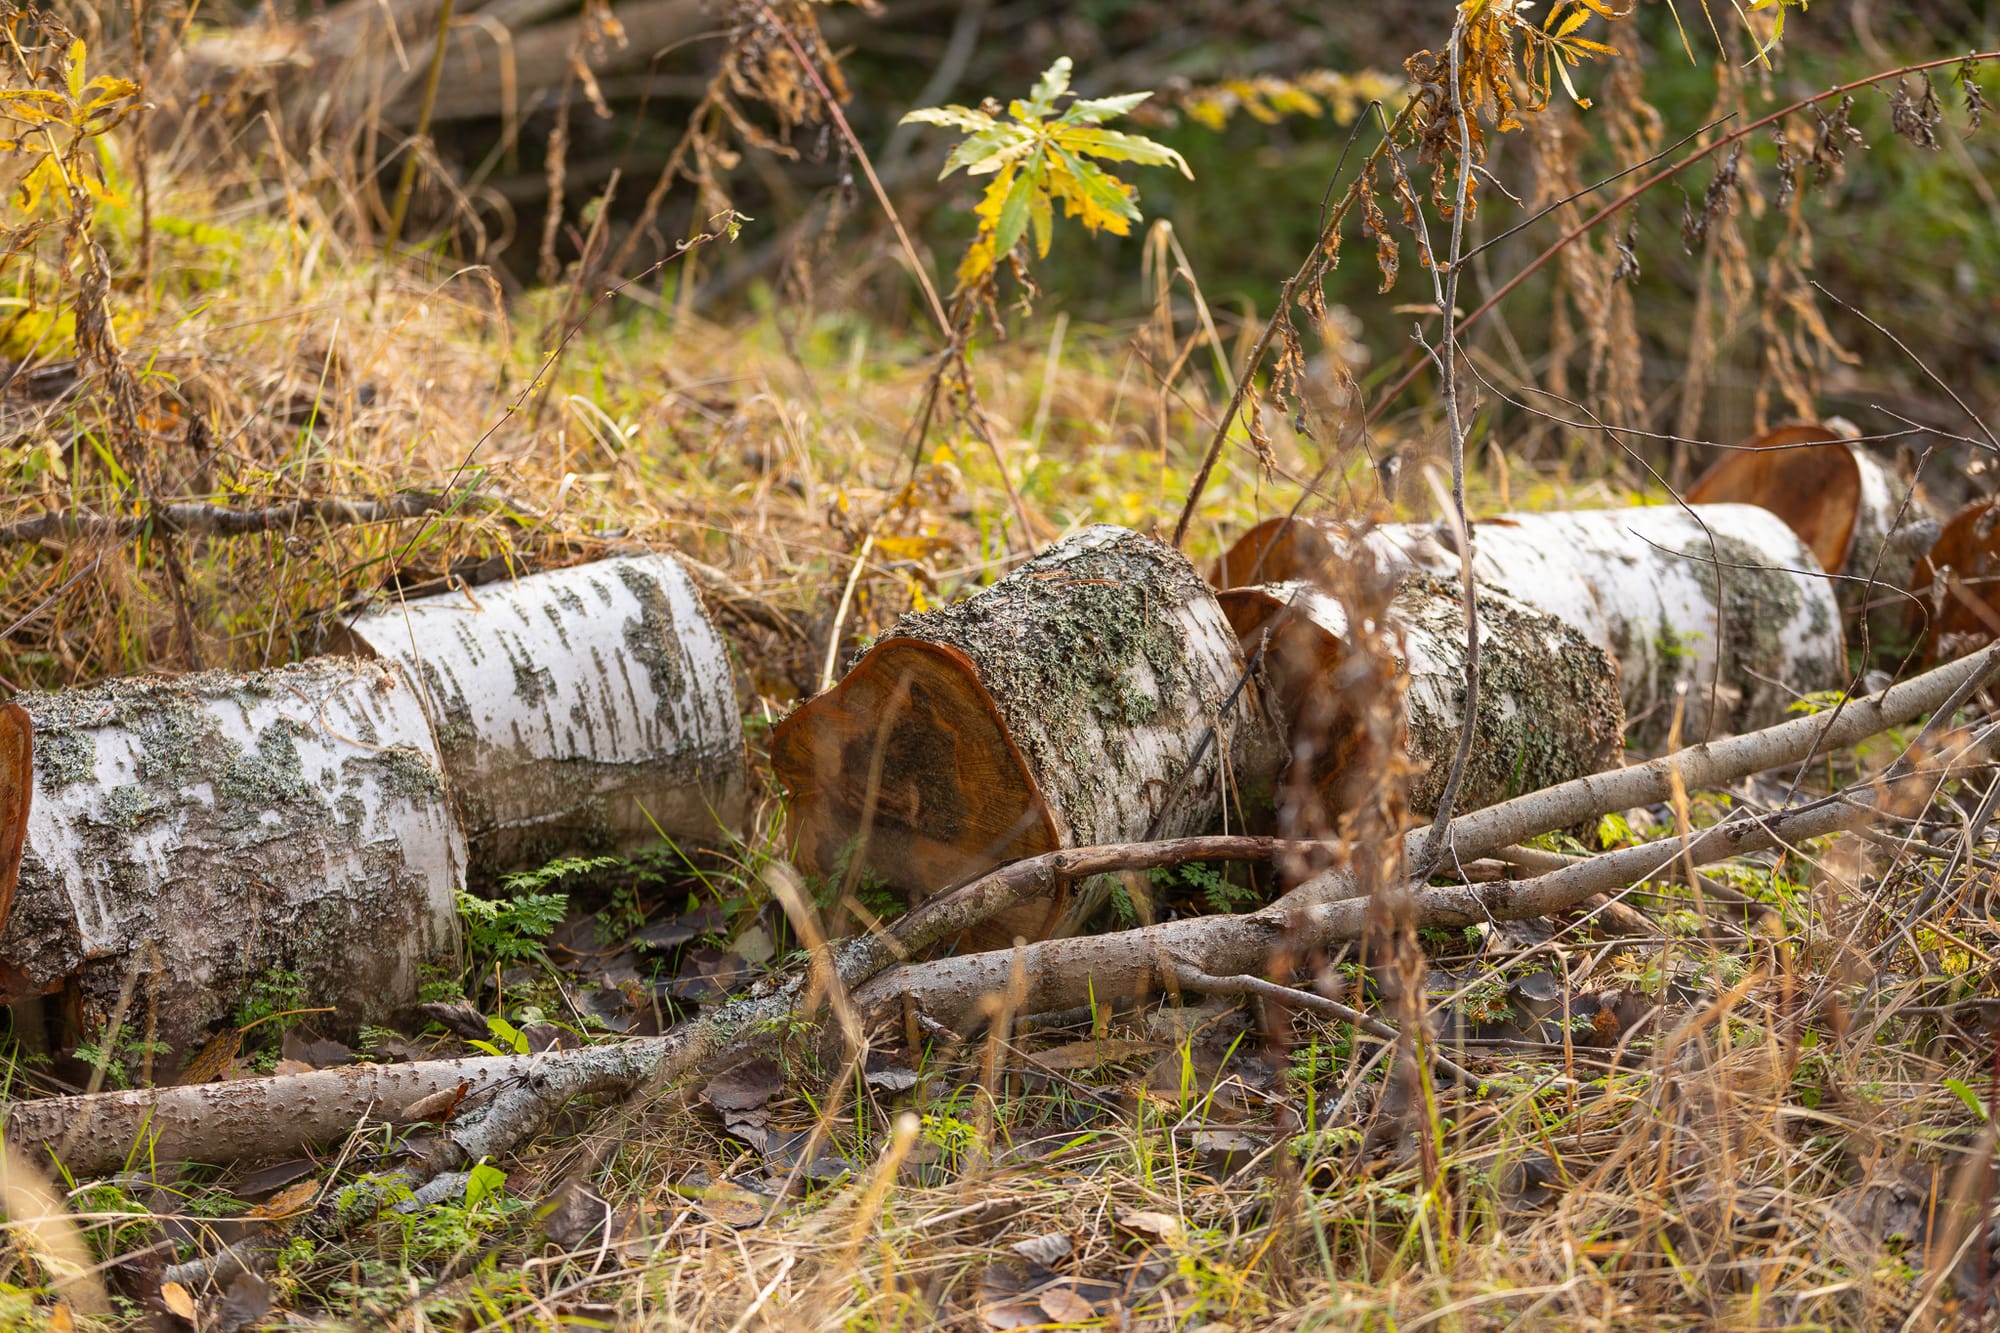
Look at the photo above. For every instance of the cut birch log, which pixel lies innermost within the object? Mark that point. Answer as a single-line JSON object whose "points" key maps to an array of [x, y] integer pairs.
{"points": [[583, 709], [1643, 585], [1066, 973], [1841, 502], [1549, 707], [1955, 587], [188, 838], [17, 788], [1064, 706]]}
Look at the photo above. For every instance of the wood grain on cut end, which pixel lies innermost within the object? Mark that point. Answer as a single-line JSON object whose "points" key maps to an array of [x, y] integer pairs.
{"points": [[907, 765], [17, 788], [1277, 550], [1956, 587], [1804, 473]]}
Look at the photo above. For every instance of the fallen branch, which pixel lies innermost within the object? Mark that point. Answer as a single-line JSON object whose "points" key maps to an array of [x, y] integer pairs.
{"points": [[508, 1099], [213, 520]]}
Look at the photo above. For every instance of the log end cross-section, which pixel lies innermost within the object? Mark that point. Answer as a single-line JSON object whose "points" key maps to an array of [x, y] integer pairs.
{"points": [[1805, 473], [1065, 705]]}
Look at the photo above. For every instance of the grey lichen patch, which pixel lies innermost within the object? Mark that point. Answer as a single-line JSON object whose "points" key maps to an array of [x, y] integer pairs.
{"points": [[270, 775], [65, 757], [652, 639], [407, 773], [1077, 648], [1548, 711], [128, 806]]}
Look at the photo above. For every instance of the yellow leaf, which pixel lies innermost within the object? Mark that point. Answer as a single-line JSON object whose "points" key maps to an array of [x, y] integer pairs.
{"points": [[77, 52], [35, 106], [177, 1300]]}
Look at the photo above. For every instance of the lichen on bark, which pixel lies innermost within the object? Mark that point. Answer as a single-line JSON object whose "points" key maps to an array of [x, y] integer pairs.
{"points": [[1548, 709]]}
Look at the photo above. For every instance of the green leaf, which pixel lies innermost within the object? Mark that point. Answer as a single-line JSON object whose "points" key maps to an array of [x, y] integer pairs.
{"points": [[485, 1181], [1100, 200], [1041, 212], [1097, 110], [955, 117], [1968, 1096], [1114, 146], [1013, 215], [1053, 84], [984, 154]]}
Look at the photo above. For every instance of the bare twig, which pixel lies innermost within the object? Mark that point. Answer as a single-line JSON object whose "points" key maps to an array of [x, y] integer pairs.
{"points": [[1248, 376], [510, 1098], [213, 520]]}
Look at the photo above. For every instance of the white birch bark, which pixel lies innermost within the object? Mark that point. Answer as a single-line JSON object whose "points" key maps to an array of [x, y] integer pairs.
{"points": [[1724, 598], [1549, 703], [583, 709], [191, 837], [1862, 522]]}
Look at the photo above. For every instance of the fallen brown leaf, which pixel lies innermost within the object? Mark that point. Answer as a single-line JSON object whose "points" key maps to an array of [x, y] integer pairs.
{"points": [[177, 1300]]}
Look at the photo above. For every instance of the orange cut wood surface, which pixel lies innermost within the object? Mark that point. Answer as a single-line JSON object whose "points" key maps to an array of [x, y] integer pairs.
{"points": [[17, 791], [1965, 612], [1277, 550], [907, 763], [1804, 473]]}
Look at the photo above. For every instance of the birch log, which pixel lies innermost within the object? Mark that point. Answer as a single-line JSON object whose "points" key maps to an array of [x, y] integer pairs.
{"points": [[583, 709], [187, 838], [1549, 706], [1063, 706], [1643, 585], [1954, 604], [1841, 502]]}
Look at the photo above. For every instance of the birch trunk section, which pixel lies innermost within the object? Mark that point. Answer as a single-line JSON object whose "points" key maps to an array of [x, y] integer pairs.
{"points": [[1549, 705], [1725, 600], [1064, 706], [187, 838], [583, 709], [1861, 522]]}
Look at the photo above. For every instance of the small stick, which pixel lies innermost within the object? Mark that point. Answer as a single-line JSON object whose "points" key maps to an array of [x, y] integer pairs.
{"points": [[840, 612]]}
